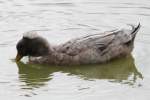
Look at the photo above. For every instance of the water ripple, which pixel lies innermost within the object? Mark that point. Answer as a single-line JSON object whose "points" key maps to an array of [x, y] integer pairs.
{"points": [[130, 7], [54, 4]]}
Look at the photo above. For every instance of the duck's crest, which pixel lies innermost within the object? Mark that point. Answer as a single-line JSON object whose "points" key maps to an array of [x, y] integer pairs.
{"points": [[30, 34]]}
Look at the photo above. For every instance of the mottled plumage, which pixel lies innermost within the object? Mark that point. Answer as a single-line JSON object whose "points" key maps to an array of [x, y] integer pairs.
{"points": [[94, 48]]}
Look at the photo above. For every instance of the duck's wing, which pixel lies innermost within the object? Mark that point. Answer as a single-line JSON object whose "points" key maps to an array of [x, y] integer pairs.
{"points": [[79, 45], [99, 41]]}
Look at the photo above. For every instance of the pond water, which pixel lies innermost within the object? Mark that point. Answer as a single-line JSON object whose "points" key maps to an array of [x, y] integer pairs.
{"points": [[59, 21]]}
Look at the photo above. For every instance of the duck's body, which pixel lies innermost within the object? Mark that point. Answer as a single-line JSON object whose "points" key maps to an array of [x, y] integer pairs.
{"points": [[91, 49]]}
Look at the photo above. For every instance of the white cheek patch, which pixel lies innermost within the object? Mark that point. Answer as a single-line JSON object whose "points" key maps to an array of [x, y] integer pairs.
{"points": [[30, 34]]}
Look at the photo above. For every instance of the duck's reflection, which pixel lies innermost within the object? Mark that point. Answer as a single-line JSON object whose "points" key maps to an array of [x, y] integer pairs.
{"points": [[120, 70]]}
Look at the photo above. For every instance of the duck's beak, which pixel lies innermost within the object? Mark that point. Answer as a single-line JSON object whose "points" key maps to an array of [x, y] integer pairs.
{"points": [[18, 57]]}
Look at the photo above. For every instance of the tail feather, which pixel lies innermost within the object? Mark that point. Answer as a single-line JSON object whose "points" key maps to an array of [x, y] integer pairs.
{"points": [[135, 30]]}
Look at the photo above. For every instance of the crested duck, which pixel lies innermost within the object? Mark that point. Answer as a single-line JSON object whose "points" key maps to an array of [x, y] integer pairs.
{"points": [[90, 49]]}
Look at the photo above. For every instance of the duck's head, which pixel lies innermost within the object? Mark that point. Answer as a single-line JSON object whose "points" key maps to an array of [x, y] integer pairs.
{"points": [[31, 45]]}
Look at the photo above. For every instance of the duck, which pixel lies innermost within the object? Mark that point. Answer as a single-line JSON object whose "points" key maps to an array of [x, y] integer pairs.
{"points": [[89, 49]]}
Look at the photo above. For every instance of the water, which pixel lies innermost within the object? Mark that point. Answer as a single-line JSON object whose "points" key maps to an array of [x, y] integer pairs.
{"points": [[59, 21]]}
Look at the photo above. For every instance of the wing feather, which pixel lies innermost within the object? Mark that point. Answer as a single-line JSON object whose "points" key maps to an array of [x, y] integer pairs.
{"points": [[78, 45]]}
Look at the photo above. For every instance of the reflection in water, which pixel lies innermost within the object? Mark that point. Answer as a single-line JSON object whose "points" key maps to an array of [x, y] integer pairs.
{"points": [[122, 70]]}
